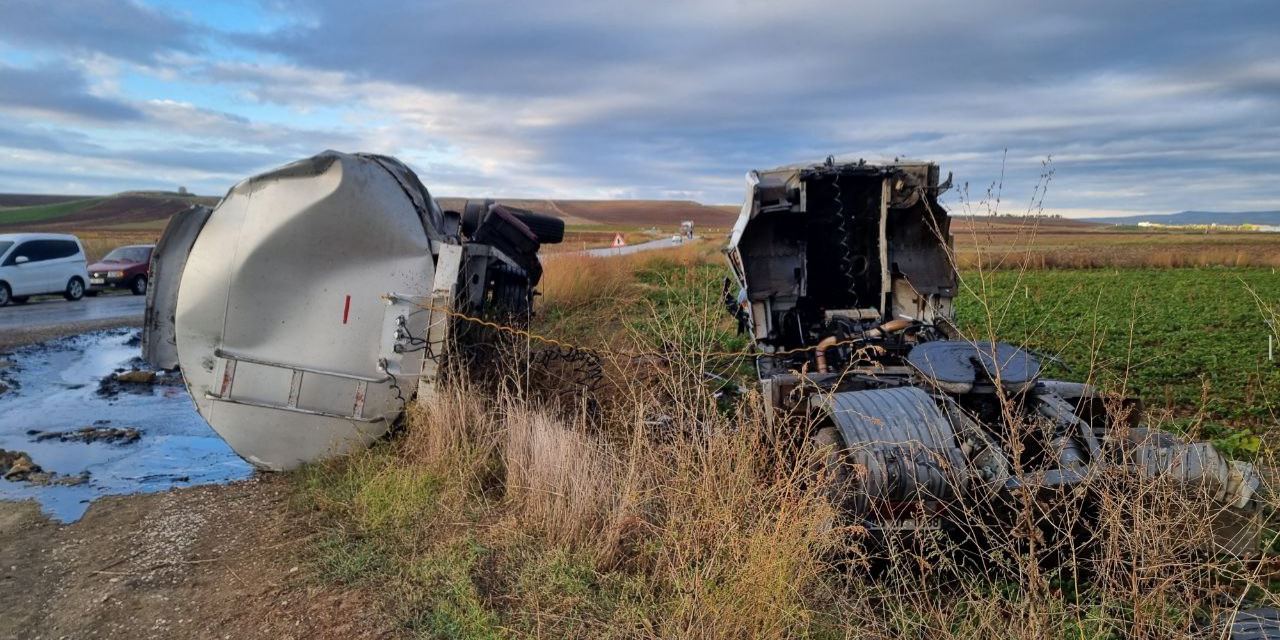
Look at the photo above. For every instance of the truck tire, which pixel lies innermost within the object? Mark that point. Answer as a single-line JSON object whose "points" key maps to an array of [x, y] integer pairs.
{"points": [[549, 229]]}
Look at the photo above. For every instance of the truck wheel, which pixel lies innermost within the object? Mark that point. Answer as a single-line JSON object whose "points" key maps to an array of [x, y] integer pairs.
{"points": [[139, 286], [549, 229], [75, 289]]}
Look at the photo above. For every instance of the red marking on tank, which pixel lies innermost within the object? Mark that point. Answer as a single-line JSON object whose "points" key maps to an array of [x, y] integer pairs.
{"points": [[228, 372], [346, 311]]}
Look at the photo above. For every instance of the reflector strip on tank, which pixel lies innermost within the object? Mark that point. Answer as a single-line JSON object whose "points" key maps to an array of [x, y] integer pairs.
{"points": [[346, 310]]}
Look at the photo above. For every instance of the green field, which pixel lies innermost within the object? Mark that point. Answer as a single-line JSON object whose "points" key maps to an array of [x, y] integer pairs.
{"points": [[45, 212], [1191, 342]]}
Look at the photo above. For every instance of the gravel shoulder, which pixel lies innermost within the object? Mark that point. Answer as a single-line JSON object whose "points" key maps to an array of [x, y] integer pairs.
{"points": [[206, 562]]}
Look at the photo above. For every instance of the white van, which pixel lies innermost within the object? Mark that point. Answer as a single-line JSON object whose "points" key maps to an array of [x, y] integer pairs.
{"points": [[39, 263]]}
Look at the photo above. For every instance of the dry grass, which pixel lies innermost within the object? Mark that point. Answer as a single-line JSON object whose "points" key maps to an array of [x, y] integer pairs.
{"points": [[575, 280], [540, 524], [673, 514], [98, 243], [593, 301], [559, 479], [715, 549], [1032, 243]]}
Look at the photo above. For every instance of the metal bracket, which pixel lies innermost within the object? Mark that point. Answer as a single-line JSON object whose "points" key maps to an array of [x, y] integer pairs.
{"points": [[448, 267]]}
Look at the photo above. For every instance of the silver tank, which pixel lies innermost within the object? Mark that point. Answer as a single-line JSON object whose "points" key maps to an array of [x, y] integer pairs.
{"points": [[284, 329]]}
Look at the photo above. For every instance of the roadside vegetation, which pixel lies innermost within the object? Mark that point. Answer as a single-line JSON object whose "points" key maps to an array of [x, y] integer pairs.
{"points": [[666, 508]]}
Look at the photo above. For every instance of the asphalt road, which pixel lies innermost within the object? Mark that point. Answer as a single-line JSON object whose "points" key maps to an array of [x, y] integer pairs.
{"points": [[605, 252], [56, 311]]}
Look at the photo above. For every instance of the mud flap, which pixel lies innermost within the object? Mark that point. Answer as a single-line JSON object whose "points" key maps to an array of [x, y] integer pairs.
{"points": [[899, 440], [168, 260]]}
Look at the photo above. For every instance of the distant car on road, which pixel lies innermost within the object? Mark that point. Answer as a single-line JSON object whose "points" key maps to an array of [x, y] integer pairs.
{"points": [[41, 263], [123, 268]]}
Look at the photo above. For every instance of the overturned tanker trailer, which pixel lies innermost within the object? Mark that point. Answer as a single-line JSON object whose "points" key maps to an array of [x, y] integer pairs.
{"points": [[845, 286], [308, 307]]}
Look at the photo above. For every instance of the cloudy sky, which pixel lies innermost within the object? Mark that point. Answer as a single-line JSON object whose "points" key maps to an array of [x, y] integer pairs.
{"points": [[1143, 105]]}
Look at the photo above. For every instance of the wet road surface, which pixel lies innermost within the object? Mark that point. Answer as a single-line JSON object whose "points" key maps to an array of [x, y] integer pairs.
{"points": [[55, 388], [55, 311]]}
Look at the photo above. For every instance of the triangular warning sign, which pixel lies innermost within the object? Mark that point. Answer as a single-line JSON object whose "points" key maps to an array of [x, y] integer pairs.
{"points": [[618, 241]]}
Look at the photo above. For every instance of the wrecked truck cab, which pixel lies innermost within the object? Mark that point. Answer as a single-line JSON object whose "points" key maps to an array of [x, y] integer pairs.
{"points": [[833, 250], [316, 299], [846, 283]]}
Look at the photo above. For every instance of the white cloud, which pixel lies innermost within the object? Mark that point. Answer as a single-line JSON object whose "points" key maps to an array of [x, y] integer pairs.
{"points": [[1145, 106]]}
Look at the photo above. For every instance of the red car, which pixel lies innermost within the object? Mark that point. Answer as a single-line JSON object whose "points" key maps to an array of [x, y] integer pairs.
{"points": [[123, 268]]}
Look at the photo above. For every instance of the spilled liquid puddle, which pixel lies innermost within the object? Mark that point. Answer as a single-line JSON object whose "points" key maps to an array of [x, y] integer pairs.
{"points": [[54, 387]]}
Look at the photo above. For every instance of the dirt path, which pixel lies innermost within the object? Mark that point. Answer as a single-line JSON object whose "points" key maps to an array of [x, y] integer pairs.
{"points": [[204, 563]]}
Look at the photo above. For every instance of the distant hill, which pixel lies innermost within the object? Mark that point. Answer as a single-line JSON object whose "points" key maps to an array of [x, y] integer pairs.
{"points": [[129, 210], [1271, 218], [11, 200]]}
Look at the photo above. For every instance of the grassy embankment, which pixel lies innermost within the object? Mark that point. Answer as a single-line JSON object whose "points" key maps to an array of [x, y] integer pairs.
{"points": [[670, 516]]}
